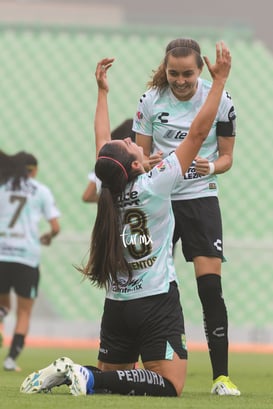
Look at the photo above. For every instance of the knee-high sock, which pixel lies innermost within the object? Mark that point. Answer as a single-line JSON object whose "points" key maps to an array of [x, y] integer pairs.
{"points": [[215, 322], [17, 345], [3, 313], [133, 382]]}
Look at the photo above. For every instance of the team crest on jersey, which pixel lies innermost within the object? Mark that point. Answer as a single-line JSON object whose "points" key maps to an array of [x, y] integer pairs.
{"points": [[184, 341], [161, 167]]}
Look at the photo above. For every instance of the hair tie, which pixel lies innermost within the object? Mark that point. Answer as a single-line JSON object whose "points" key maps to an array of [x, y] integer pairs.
{"points": [[117, 162], [105, 185]]}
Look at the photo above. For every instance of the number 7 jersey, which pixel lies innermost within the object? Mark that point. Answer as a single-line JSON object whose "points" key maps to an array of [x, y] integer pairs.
{"points": [[20, 213]]}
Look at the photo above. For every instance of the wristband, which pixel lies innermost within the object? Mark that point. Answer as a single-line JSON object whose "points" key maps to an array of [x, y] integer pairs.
{"points": [[211, 168]]}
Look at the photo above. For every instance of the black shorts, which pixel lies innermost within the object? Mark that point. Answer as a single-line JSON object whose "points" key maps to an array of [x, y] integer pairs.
{"points": [[22, 278], [150, 327], [198, 224]]}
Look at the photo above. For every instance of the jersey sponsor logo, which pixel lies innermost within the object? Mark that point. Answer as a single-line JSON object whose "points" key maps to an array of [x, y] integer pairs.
{"points": [[11, 234], [9, 251], [27, 188], [174, 134], [125, 287], [192, 174], [128, 199], [140, 265]]}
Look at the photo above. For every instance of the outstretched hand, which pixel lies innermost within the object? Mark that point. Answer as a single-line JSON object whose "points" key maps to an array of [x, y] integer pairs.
{"points": [[220, 70], [101, 73]]}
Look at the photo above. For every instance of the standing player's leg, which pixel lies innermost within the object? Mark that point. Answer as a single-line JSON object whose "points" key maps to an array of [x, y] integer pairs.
{"points": [[4, 309], [23, 314], [5, 287], [25, 284]]}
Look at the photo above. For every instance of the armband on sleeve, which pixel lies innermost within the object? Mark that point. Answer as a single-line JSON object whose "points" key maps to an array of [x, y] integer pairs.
{"points": [[227, 128]]}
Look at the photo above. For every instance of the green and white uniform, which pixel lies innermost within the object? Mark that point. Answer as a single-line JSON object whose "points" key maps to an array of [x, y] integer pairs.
{"points": [[167, 119], [147, 233], [21, 212]]}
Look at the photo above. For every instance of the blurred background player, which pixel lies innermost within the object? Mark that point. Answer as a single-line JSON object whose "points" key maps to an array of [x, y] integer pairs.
{"points": [[24, 201]]}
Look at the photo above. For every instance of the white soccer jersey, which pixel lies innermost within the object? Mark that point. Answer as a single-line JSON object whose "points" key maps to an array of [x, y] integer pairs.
{"points": [[147, 233], [20, 214], [167, 120]]}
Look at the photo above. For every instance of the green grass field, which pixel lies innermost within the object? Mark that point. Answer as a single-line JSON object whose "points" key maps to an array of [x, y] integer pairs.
{"points": [[253, 373]]}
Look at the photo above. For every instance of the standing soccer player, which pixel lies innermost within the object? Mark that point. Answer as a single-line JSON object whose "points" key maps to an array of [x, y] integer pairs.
{"points": [[175, 94]]}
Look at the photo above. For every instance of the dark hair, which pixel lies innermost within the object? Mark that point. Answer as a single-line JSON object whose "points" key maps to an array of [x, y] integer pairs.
{"points": [[106, 259], [31, 161], [13, 167], [124, 130], [180, 47]]}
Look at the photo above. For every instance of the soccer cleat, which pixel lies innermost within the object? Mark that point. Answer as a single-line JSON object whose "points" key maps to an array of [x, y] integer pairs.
{"points": [[223, 386], [56, 374], [82, 380], [10, 365]]}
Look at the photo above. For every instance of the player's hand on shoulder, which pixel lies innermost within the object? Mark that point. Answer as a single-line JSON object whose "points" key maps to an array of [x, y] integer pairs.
{"points": [[154, 159]]}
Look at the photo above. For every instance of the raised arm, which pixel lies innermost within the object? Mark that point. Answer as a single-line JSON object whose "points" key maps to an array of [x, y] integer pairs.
{"points": [[102, 122], [203, 121]]}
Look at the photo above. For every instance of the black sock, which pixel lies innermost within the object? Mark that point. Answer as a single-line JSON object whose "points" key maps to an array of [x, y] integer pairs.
{"points": [[17, 345], [133, 382], [215, 322], [3, 313]]}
